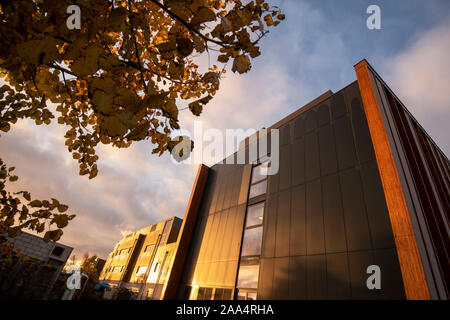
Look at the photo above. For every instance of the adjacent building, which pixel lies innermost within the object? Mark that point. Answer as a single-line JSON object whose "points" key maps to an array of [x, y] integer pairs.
{"points": [[23, 279], [141, 261], [361, 187]]}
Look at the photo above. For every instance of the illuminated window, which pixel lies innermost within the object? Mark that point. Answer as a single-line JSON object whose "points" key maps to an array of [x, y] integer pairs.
{"points": [[255, 215], [165, 232], [141, 270], [258, 189], [252, 242], [257, 175], [248, 276]]}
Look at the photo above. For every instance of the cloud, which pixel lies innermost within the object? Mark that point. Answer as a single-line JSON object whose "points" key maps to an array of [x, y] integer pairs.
{"points": [[420, 76]]}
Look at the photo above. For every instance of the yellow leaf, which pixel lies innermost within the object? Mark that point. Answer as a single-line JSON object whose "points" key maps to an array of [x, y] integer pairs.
{"points": [[125, 97], [35, 204], [38, 51], [117, 19], [114, 127], [198, 44], [89, 64], [203, 15], [62, 208], [171, 108], [139, 133], [102, 102]]}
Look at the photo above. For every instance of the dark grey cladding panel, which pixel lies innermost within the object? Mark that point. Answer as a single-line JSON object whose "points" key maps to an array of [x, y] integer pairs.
{"points": [[334, 223], [338, 106], [297, 278], [299, 127], [285, 173], [316, 277], [270, 223], [356, 223], [297, 243], [345, 146], [298, 161], [327, 146], [283, 224], [280, 290], [364, 145], [377, 212], [265, 282], [315, 237], [312, 165], [323, 114], [338, 276]]}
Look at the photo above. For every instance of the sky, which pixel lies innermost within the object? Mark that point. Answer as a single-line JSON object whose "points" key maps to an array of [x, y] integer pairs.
{"points": [[310, 52]]}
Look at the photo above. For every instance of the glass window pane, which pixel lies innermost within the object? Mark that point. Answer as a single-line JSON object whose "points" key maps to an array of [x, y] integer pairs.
{"points": [[257, 174], [258, 189], [165, 232], [248, 276], [252, 242], [255, 214]]}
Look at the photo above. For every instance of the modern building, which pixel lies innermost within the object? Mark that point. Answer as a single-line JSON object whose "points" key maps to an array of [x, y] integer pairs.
{"points": [[23, 280], [361, 196], [141, 261]]}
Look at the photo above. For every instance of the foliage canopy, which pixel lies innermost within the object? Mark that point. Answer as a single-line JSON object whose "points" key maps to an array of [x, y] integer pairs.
{"points": [[122, 76]]}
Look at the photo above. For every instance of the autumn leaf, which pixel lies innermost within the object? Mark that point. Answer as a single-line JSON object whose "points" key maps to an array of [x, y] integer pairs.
{"points": [[241, 64]]}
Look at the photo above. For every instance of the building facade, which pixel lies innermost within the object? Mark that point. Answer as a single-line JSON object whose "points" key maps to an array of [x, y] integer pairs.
{"points": [[362, 193], [141, 261], [25, 280]]}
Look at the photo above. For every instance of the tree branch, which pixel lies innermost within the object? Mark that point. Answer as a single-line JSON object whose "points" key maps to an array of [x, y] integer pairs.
{"points": [[187, 25]]}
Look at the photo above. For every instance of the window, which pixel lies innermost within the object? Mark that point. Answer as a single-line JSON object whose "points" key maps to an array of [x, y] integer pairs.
{"points": [[259, 181], [123, 251], [165, 232], [252, 242], [258, 189], [252, 238], [141, 271], [248, 276], [257, 175], [157, 265], [255, 215], [117, 269]]}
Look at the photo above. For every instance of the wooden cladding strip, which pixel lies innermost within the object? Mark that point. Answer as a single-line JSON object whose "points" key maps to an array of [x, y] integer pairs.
{"points": [[413, 275], [185, 235]]}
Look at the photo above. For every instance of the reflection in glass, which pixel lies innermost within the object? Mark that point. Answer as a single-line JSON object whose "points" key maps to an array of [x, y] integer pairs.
{"points": [[257, 174], [252, 242], [165, 232], [255, 215], [248, 276], [258, 189]]}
